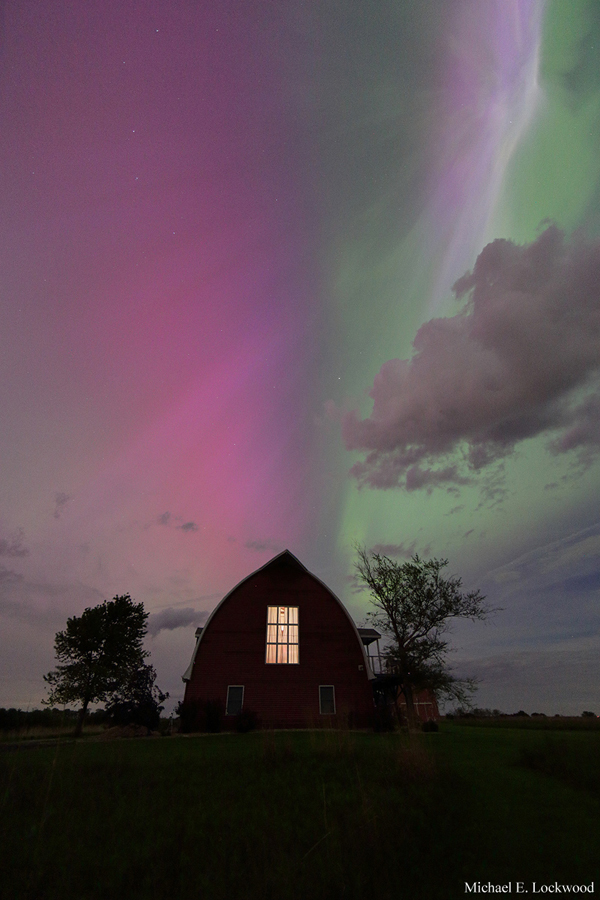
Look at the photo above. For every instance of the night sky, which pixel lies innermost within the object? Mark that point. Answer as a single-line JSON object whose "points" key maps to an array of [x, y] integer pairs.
{"points": [[302, 274]]}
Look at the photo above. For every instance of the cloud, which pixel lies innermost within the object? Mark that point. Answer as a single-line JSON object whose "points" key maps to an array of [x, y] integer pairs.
{"points": [[8, 577], [261, 546], [521, 360], [188, 526], [12, 602], [574, 554], [166, 518], [169, 619], [562, 678], [42, 601], [60, 501], [546, 597], [13, 546], [403, 549]]}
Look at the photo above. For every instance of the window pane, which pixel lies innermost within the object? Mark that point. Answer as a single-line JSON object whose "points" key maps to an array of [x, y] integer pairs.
{"points": [[282, 634], [235, 694], [326, 700]]}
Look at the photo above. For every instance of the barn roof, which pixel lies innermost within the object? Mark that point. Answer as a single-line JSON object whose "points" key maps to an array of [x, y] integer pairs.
{"points": [[367, 635], [287, 559]]}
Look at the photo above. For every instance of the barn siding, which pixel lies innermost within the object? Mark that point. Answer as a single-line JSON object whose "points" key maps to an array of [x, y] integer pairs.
{"points": [[426, 706], [232, 651]]}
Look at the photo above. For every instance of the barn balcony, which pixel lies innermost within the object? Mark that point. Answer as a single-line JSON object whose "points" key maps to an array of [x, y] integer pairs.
{"points": [[370, 638]]}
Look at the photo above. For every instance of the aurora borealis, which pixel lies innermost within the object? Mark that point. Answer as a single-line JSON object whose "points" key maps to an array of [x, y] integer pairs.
{"points": [[223, 227]]}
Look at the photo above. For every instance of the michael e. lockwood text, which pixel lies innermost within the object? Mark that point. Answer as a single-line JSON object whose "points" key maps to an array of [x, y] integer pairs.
{"points": [[486, 887]]}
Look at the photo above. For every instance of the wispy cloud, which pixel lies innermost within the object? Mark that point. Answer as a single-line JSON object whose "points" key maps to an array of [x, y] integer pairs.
{"points": [[60, 502], [8, 577], [13, 546], [528, 679], [188, 526], [405, 550], [43, 601], [169, 619], [167, 519], [577, 553], [263, 546]]}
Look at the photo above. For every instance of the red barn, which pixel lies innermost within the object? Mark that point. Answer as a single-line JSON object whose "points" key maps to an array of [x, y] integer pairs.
{"points": [[282, 646]]}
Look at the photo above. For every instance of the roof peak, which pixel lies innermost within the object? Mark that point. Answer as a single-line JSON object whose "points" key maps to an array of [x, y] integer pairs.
{"points": [[286, 556]]}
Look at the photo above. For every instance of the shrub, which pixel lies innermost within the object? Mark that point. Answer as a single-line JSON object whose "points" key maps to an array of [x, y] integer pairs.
{"points": [[246, 721], [430, 725], [201, 715], [383, 718], [213, 716]]}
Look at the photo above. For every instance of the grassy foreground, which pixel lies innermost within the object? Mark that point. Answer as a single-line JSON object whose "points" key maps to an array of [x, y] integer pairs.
{"points": [[299, 815]]}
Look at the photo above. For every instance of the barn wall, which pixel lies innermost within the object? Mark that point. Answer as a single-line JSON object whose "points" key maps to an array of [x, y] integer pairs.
{"points": [[426, 706], [232, 651]]}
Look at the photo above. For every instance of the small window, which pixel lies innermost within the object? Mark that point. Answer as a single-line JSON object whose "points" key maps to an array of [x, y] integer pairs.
{"points": [[282, 635], [327, 700], [235, 699]]}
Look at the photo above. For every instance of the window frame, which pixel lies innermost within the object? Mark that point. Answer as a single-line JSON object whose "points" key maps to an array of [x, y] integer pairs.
{"points": [[321, 713], [229, 686], [287, 644]]}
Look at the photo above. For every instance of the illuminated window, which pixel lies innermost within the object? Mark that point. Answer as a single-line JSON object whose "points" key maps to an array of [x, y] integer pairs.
{"points": [[235, 699], [327, 700], [282, 634]]}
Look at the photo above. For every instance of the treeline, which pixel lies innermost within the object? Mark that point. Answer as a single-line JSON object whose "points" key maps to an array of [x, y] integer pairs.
{"points": [[586, 721], [477, 713], [19, 719]]}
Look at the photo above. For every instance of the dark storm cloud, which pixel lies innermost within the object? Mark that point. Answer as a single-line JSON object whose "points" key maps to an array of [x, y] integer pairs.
{"points": [[522, 359], [13, 545], [170, 619]]}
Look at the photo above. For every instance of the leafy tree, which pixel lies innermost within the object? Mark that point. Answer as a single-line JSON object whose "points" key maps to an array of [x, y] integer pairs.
{"points": [[98, 653], [413, 605], [138, 701]]}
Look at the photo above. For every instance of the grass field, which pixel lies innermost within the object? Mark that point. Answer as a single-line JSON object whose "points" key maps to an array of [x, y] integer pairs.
{"points": [[300, 815], [38, 732]]}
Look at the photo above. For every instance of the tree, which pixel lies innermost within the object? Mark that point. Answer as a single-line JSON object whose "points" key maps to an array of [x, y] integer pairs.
{"points": [[413, 605], [138, 701], [98, 653]]}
